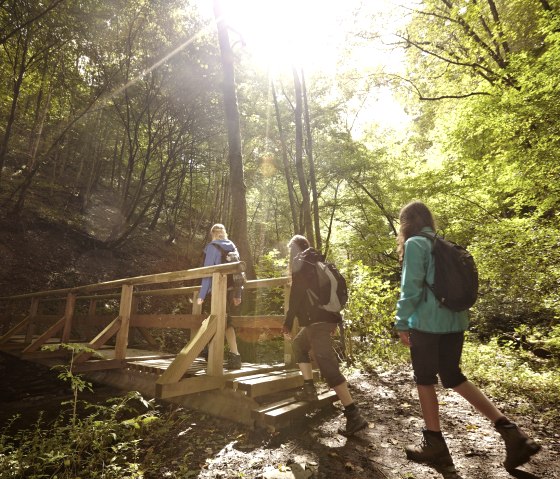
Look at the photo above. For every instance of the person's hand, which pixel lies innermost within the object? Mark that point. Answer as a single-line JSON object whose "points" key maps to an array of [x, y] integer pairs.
{"points": [[199, 301], [286, 332], [405, 338], [236, 301]]}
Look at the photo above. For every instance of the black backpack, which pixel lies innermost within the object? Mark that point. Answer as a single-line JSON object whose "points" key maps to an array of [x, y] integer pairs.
{"points": [[456, 276], [332, 292], [235, 280]]}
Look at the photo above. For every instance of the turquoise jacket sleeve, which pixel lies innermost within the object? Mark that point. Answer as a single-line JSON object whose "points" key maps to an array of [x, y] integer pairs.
{"points": [[412, 282]]}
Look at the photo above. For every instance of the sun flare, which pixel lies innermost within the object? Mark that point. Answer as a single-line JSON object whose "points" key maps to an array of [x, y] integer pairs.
{"points": [[281, 34]]}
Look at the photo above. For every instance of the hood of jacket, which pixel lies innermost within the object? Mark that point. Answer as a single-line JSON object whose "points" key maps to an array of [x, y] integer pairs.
{"points": [[225, 243], [305, 259]]}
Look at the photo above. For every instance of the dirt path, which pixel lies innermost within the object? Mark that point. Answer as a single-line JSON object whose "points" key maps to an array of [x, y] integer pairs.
{"points": [[209, 448], [313, 449]]}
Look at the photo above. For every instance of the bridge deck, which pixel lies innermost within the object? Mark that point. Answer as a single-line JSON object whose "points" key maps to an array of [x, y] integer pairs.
{"points": [[121, 350]]}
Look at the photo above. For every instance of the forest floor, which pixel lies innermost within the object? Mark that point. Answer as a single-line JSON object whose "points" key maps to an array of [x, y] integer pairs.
{"points": [[311, 448]]}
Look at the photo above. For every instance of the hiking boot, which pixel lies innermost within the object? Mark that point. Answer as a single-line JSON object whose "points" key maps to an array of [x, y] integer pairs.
{"points": [[307, 393], [233, 361], [354, 423], [432, 449], [519, 446]]}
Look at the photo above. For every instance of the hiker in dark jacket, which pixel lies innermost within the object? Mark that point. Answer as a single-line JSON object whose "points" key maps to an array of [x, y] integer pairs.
{"points": [[317, 326], [213, 256], [435, 335]]}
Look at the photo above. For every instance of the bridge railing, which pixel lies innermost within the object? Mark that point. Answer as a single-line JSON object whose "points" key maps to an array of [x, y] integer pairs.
{"points": [[204, 330]]}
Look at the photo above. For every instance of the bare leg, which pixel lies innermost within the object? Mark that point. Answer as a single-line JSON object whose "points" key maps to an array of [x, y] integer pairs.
{"points": [[231, 340], [430, 407], [343, 394], [306, 371], [479, 401]]}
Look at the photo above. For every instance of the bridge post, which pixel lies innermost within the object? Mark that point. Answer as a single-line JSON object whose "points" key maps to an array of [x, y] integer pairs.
{"points": [[218, 309], [34, 308], [289, 359], [68, 315], [121, 342]]}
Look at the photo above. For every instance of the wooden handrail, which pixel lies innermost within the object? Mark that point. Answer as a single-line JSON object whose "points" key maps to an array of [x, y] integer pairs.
{"points": [[251, 284], [183, 275]]}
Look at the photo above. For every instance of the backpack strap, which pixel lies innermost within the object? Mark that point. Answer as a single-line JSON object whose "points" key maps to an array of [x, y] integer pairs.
{"points": [[432, 237], [222, 250]]}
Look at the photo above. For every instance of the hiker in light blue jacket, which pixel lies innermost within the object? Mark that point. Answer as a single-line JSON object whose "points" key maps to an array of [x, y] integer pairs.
{"points": [[435, 335], [213, 256]]}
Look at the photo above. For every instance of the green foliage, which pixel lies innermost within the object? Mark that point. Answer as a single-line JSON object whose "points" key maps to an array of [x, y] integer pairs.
{"points": [[507, 373], [369, 313], [104, 444], [271, 300]]}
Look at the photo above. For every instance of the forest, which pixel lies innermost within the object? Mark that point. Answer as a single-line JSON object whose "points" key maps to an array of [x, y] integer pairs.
{"points": [[135, 125]]}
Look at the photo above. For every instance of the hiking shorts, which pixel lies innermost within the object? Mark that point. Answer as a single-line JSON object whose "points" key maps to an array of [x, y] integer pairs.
{"points": [[317, 337], [437, 354]]}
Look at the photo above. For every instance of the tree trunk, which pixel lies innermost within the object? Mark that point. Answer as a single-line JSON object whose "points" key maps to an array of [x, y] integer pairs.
{"points": [[287, 173], [18, 80], [306, 209], [312, 179], [237, 182]]}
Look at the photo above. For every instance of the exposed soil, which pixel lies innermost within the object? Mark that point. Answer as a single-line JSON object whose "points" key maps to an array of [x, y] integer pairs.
{"points": [[311, 448]]}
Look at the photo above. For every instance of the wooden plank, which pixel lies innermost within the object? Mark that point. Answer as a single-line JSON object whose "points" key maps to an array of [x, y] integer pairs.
{"points": [[266, 283], [189, 353], [147, 336], [289, 358], [98, 365], [100, 339], [121, 342], [293, 409], [259, 322], [177, 321], [184, 275], [48, 334], [272, 383], [218, 309], [234, 382], [68, 314], [32, 315], [189, 386], [16, 329]]}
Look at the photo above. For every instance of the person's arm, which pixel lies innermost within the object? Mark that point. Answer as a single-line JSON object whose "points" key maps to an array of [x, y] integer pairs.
{"points": [[412, 282], [213, 256], [297, 296]]}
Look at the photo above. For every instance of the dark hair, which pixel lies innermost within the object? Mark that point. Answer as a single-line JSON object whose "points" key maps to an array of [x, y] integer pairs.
{"points": [[413, 217]]}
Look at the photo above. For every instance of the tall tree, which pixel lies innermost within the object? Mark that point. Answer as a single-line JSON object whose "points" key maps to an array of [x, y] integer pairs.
{"points": [[298, 119], [235, 157], [285, 161], [311, 160]]}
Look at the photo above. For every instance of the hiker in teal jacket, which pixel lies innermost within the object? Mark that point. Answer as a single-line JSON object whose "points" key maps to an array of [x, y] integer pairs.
{"points": [[416, 309], [435, 335]]}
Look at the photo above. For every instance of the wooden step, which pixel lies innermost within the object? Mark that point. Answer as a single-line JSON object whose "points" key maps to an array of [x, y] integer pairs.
{"points": [[272, 382], [280, 413]]}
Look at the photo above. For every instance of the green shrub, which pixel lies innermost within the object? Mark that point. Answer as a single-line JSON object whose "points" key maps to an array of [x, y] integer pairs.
{"points": [[105, 444], [369, 313]]}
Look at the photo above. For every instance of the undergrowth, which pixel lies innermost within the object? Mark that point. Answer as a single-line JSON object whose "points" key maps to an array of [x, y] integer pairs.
{"points": [[526, 383], [103, 444]]}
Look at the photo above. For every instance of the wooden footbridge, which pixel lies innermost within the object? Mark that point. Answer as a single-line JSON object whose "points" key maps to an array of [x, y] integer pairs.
{"points": [[122, 351]]}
